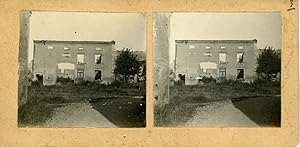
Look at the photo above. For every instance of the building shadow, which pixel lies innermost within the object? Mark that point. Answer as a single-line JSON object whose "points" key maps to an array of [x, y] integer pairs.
{"points": [[264, 111], [123, 112]]}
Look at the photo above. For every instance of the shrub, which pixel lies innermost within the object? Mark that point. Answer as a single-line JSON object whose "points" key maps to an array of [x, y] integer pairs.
{"points": [[64, 80], [179, 83], [208, 80]]}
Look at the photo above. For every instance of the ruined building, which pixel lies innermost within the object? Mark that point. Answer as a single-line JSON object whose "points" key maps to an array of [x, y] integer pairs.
{"points": [[76, 60], [217, 59]]}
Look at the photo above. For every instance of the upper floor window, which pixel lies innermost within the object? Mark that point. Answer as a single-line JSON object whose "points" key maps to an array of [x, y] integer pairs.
{"points": [[222, 47], [80, 58], [240, 57], [66, 48], [208, 54], [81, 48], [207, 47], [240, 47], [191, 46], [66, 55], [98, 49], [222, 57], [50, 47], [97, 59]]}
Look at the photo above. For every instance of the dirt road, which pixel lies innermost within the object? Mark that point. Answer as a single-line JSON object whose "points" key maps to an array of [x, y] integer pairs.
{"points": [[220, 114], [77, 115]]}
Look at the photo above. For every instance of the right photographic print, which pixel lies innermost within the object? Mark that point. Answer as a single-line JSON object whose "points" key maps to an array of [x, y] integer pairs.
{"points": [[217, 69]]}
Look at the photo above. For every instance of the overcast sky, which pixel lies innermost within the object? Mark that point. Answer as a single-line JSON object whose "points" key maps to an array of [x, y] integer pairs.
{"points": [[127, 29], [265, 27]]}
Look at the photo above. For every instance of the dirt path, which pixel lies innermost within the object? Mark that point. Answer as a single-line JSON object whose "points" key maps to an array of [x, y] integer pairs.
{"points": [[77, 115], [220, 114]]}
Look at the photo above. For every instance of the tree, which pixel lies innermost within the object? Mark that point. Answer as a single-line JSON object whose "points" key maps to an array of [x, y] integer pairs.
{"points": [[127, 64], [269, 63]]}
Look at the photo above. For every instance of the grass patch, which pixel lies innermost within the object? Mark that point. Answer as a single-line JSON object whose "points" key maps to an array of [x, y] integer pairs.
{"points": [[34, 113], [174, 114], [216, 91]]}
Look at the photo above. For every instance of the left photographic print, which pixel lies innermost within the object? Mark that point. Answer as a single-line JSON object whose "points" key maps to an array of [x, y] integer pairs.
{"points": [[82, 70]]}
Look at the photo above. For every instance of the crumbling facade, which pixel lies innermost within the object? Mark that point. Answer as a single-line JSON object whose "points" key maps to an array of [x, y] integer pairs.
{"points": [[217, 59], [76, 60]]}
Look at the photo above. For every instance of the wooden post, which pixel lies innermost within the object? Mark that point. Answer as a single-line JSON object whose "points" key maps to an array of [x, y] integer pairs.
{"points": [[23, 57], [161, 58]]}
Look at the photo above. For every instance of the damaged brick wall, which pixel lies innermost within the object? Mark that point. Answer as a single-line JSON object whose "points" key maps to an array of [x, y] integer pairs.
{"points": [[46, 60], [191, 53]]}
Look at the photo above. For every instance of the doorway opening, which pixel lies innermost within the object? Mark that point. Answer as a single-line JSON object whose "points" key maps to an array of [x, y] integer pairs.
{"points": [[240, 74], [80, 75], [222, 74], [98, 74]]}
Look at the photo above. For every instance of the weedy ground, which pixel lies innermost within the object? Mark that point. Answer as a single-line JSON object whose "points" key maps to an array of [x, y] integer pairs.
{"points": [[42, 100], [185, 99]]}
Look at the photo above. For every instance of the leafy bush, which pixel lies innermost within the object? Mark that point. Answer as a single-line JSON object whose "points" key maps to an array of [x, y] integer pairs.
{"points": [[208, 80], [127, 65], [269, 63], [179, 83], [64, 80]]}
